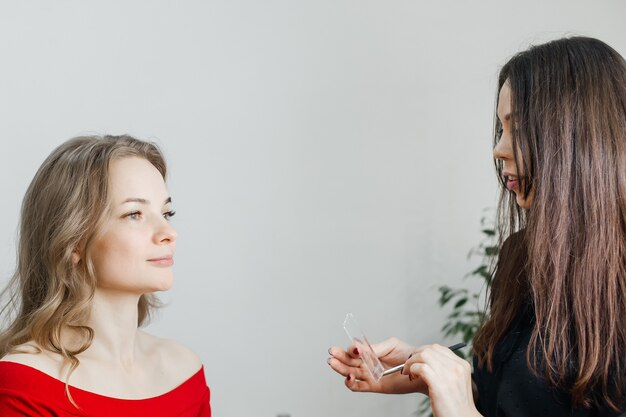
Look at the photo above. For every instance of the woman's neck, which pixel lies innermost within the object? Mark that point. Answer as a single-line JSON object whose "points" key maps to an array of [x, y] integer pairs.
{"points": [[114, 320]]}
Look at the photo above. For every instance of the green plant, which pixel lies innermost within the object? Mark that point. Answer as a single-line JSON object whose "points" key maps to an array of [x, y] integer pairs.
{"points": [[467, 309]]}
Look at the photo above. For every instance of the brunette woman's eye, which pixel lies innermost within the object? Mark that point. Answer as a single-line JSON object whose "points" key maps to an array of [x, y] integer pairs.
{"points": [[499, 132], [169, 214]]}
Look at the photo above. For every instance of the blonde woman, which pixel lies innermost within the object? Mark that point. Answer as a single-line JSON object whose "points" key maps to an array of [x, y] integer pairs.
{"points": [[95, 243]]}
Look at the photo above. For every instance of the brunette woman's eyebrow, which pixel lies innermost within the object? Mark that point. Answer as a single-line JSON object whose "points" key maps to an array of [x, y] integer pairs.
{"points": [[506, 117]]}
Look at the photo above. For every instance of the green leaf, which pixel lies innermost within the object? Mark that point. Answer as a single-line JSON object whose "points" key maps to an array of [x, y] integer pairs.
{"points": [[443, 300], [483, 269], [491, 250], [454, 314], [468, 335], [461, 302], [486, 274], [463, 319]]}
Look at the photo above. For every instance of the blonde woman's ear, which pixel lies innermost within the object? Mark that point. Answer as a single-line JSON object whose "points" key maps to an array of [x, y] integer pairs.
{"points": [[75, 257]]}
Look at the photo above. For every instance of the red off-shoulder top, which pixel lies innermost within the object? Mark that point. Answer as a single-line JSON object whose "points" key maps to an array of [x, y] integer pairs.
{"points": [[26, 391]]}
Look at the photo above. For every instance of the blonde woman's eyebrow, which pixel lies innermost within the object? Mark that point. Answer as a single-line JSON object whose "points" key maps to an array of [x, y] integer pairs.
{"points": [[144, 201]]}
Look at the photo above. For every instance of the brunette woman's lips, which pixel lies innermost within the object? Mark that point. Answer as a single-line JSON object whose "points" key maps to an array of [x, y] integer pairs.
{"points": [[511, 180], [163, 261], [512, 184]]}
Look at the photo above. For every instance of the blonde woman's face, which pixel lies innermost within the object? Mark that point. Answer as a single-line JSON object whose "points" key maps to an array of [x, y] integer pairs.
{"points": [[134, 252], [503, 151]]}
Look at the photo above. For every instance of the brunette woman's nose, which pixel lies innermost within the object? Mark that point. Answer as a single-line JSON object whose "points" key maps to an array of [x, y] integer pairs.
{"points": [[503, 150]]}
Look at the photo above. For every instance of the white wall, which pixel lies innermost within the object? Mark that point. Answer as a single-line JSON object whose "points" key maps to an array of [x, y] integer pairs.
{"points": [[326, 156]]}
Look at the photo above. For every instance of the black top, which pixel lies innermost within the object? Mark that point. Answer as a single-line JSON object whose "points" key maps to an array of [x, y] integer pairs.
{"points": [[513, 390]]}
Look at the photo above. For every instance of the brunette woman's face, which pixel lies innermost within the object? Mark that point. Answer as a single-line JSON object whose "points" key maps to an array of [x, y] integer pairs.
{"points": [[503, 151], [134, 251]]}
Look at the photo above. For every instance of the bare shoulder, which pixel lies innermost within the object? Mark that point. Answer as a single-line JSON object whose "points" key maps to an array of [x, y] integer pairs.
{"points": [[30, 354], [177, 359]]}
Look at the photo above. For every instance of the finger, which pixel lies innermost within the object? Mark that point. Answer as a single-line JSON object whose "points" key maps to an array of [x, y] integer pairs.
{"points": [[447, 358], [438, 365], [340, 367], [360, 372], [443, 385], [445, 350], [430, 355], [424, 372], [385, 347], [355, 349], [357, 384], [438, 348], [344, 357]]}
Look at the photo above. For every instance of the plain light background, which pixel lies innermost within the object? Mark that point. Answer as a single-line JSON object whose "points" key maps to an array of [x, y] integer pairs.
{"points": [[326, 156]]}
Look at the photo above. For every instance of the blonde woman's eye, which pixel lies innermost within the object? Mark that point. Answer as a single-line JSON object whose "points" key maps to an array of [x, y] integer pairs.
{"points": [[134, 215], [169, 214]]}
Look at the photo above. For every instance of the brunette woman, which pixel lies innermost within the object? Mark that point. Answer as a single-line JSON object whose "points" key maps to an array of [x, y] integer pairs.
{"points": [[554, 340]]}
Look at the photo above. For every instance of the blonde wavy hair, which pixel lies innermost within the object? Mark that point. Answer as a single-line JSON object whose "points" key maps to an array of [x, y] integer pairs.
{"points": [[62, 211]]}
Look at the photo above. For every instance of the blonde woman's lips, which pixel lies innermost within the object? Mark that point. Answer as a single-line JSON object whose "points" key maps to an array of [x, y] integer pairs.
{"points": [[164, 261]]}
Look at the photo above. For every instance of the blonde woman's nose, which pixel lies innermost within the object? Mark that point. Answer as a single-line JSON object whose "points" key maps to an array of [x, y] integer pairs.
{"points": [[165, 233]]}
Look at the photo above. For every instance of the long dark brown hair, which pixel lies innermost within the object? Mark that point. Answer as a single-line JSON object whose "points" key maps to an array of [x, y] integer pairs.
{"points": [[568, 259]]}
